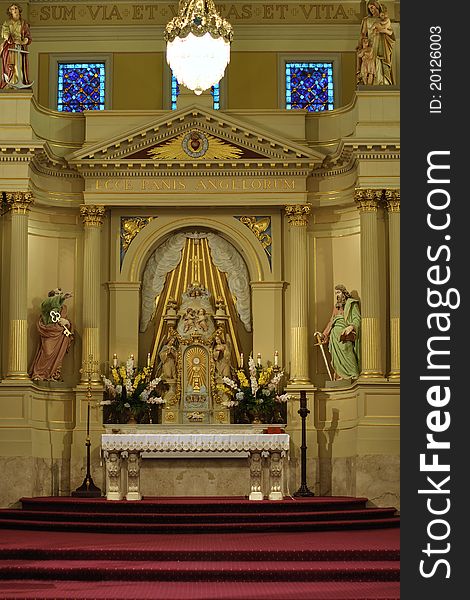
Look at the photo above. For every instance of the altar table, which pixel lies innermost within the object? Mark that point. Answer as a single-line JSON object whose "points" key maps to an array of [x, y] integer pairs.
{"points": [[122, 453]]}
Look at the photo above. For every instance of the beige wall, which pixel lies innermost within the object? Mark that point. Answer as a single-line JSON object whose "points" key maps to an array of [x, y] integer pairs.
{"points": [[137, 81], [252, 80]]}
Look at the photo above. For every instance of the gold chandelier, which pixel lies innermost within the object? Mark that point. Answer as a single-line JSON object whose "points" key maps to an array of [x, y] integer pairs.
{"points": [[198, 44]]}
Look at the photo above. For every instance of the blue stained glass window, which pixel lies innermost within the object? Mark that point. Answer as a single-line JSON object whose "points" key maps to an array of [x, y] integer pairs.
{"points": [[80, 87], [175, 90], [309, 86]]}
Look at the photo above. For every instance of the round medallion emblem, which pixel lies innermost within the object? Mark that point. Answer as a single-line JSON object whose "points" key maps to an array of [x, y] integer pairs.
{"points": [[195, 144]]}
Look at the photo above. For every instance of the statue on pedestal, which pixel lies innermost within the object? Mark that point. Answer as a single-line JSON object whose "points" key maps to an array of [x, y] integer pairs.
{"points": [[374, 56], [56, 336], [342, 334], [16, 37]]}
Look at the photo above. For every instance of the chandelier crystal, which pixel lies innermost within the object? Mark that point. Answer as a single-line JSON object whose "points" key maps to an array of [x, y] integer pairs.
{"points": [[198, 44]]}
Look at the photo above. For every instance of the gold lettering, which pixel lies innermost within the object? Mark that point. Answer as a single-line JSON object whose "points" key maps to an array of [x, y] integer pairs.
{"points": [[268, 11], [94, 11], [289, 185], [201, 185], [282, 8], [127, 184], [246, 11], [173, 9], [232, 12], [109, 183], [114, 14], [256, 184], [69, 13], [267, 184], [212, 184], [328, 8], [45, 13], [340, 12], [138, 13], [150, 11], [303, 8], [181, 185]]}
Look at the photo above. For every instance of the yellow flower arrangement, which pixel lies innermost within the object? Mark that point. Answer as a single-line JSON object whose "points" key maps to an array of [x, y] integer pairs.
{"points": [[131, 392], [256, 393]]}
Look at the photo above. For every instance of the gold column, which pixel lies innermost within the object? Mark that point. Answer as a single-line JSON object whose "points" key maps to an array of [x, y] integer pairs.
{"points": [[392, 198], [20, 204], [297, 215], [368, 202], [93, 220]]}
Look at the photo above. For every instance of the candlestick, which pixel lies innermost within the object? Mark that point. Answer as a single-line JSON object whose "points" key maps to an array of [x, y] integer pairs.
{"points": [[241, 360], [276, 358], [259, 359], [115, 360]]}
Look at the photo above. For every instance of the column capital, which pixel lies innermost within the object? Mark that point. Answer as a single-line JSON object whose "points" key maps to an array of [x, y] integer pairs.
{"points": [[367, 200], [19, 202], [298, 214], [392, 200], [92, 214]]}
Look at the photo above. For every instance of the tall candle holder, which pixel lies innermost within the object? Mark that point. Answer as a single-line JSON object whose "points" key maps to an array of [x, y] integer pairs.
{"points": [[303, 411], [88, 489]]}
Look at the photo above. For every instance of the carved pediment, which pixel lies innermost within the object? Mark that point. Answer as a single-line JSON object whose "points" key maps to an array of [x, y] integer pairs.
{"points": [[196, 138]]}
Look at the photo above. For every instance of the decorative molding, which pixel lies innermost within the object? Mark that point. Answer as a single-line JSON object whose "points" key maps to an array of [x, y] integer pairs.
{"points": [[130, 227], [392, 200], [257, 145], [298, 214], [368, 200], [19, 202], [261, 227], [196, 145], [92, 215]]}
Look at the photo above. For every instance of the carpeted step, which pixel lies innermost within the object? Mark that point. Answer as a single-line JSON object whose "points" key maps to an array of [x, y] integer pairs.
{"points": [[120, 554], [378, 544], [151, 590], [197, 518], [271, 526], [201, 571], [195, 504]]}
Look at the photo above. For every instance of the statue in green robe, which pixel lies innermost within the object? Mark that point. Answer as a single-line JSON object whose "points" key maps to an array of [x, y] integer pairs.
{"points": [[343, 335]]}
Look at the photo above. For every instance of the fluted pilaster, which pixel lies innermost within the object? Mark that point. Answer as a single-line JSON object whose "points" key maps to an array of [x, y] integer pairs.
{"points": [[20, 204], [297, 215], [92, 220], [368, 202], [392, 199]]}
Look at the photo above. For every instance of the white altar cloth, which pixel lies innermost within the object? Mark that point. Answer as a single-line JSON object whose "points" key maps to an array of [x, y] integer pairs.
{"points": [[185, 442], [122, 452]]}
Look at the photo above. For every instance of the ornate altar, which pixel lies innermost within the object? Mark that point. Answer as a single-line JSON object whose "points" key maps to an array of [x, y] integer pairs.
{"points": [[195, 353]]}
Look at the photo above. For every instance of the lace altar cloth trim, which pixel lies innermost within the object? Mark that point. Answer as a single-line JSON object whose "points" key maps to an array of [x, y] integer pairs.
{"points": [[146, 442]]}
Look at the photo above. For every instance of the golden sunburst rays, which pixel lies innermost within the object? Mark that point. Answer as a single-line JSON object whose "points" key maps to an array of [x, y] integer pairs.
{"points": [[195, 145], [195, 359]]}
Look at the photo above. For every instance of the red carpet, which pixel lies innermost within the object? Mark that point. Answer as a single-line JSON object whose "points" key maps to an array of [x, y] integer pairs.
{"points": [[350, 564]]}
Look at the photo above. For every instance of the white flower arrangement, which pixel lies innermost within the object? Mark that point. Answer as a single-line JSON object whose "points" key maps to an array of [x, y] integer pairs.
{"points": [[130, 391], [256, 391]]}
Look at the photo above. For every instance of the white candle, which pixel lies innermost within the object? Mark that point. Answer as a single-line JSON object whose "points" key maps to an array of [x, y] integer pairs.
{"points": [[241, 360], [276, 358], [115, 360], [131, 360], [148, 359], [259, 359]]}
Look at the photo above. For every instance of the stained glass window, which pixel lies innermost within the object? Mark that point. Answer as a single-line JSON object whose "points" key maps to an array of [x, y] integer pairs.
{"points": [[80, 86], [175, 90], [309, 86]]}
